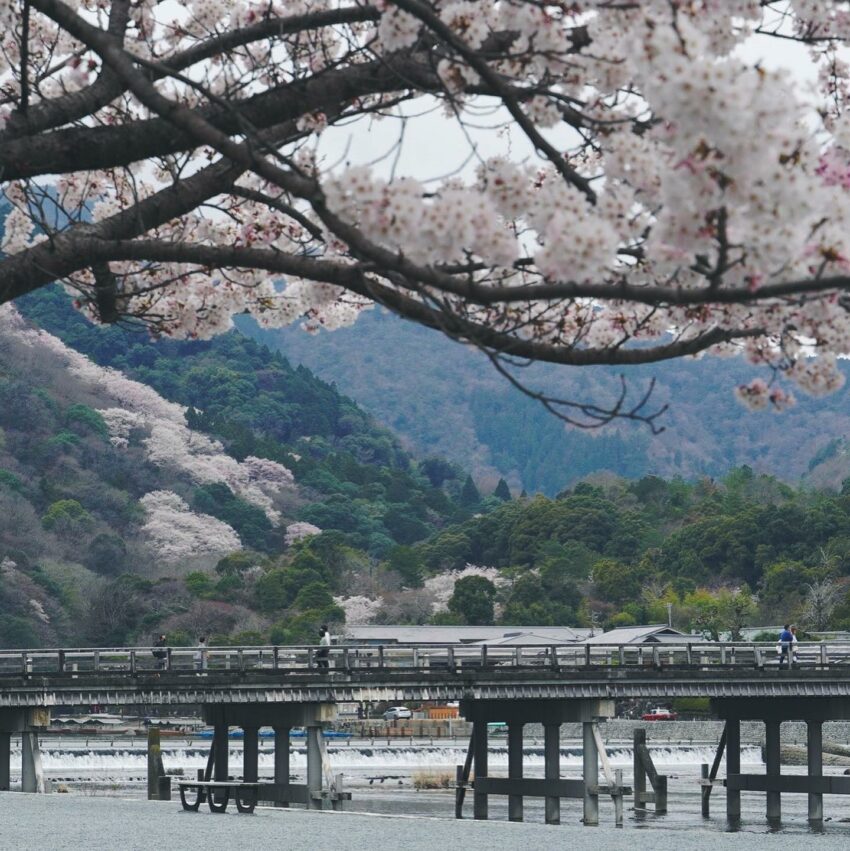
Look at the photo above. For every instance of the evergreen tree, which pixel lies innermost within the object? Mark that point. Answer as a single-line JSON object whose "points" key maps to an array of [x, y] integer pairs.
{"points": [[502, 491], [469, 495]]}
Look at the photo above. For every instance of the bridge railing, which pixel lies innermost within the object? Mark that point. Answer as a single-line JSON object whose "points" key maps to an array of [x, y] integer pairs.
{"points": [[459, 658]]}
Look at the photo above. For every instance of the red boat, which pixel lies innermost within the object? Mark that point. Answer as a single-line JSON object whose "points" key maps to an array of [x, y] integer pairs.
{"points": [[659, 714]]}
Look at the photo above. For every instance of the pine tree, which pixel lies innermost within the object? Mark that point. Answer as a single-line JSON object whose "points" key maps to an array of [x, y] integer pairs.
{"points": [[469, 495], [502, 491]]}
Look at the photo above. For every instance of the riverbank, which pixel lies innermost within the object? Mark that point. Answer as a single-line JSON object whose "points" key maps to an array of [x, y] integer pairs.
{"points": [[68, 823]]}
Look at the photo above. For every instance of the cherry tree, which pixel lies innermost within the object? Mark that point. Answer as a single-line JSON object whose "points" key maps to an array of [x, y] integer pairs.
{"points": [[646, 191]]}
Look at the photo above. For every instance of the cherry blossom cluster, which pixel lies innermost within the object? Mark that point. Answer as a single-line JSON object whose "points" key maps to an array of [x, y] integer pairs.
{"points": [[167, 441], [298, 531], [442, 585], [359, 610], [641, 150], [177, 533]]}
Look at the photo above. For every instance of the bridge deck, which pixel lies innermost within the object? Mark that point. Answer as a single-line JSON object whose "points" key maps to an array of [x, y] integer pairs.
{"points": [[127, 676]]}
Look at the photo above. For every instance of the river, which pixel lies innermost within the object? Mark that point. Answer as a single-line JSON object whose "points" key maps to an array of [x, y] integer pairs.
{"points": [[383, 776]]}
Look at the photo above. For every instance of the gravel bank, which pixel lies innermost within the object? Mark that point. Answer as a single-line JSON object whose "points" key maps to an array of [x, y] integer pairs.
{"points": [[64, 822]]}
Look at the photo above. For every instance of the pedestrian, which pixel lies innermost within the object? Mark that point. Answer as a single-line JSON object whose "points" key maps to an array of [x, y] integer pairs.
{"points": [[794, 644], [324, 644], [786, 639], [160, 653], [201, 654]]}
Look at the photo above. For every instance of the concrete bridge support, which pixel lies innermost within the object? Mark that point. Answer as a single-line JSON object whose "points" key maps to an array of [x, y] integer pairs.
{"points": [[814, 711], [590, 772], [772, 762], [551, 713], [28, 723], [314, 768], [479, 749], [515, 804], [814, 743], [282, 718], [250, 753], [552, 769], [5, 760], [733, 766], [281, 760]]}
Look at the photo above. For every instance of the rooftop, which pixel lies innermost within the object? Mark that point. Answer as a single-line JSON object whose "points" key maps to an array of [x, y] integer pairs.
{"points": [[402, 634]]}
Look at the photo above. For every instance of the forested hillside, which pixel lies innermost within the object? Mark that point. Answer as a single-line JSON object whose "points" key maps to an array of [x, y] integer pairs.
{"points": [[725, 554], [192, 487], [244, 498], [446, 398]]}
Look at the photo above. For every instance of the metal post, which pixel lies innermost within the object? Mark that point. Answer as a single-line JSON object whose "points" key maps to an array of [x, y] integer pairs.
{"points": [[733, 766], [5, 759], [771, 749], [314, 767], [281, 760], [815, 763], [479, 799], [515, 804], [153, 763], [552, 770], [705, 791], [250, 754], [590, 771]]}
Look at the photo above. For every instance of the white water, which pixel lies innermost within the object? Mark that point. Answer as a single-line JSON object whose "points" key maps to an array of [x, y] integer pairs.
{"points": [[107, 761]]}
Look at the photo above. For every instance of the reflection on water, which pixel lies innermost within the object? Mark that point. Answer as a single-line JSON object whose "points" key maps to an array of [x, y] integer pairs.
{"points": [[382, 777]]}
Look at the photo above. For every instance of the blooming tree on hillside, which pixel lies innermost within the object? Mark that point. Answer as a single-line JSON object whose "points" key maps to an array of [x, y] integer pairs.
{"points": [[169, 442], [652, 193], [177, 533]]}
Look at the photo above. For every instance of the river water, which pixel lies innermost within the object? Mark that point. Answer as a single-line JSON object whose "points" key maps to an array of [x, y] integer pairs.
{"points": [[382, 777]]}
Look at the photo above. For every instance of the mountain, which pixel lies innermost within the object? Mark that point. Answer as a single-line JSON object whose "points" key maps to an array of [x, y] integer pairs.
{"points": [[192, 487], [445, 398]]}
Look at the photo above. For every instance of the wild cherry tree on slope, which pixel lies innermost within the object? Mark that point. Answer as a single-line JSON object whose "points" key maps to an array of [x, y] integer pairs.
{"points": [[654, 194]]}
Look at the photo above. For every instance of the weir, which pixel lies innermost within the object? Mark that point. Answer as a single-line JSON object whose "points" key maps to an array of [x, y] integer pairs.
{"points": [[286, 687]]}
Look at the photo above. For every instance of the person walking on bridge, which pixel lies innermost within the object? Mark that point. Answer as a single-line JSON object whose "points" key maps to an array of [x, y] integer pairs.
{"points": [[324, 644], [786, 640], [201, 654]]}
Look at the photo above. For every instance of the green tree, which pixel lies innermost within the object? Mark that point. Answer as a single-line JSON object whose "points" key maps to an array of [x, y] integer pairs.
{"points": [[469, 494], [473, 598], [502, 491], [408, 564], [107, 554], [615, 581], [66, 517]]}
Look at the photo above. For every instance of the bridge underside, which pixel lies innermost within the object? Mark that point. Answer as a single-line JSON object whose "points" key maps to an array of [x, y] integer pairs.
{"points": [[281, 688]]}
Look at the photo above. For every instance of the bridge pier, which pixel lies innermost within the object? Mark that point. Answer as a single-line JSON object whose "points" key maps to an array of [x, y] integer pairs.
{"points": [[590, 772], [26, 722], [552, 769], [250, 753], [515, 803], [32, 773], [551, 713], [314, 767], [733, 766], [5, 760], [772, 762], [479, 750], [281, 760], [282, 718], [814, 748], [814, 711]]}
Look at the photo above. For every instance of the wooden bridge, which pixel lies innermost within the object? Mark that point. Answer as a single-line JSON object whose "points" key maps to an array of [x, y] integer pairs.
{"points": [[284, 687]]}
